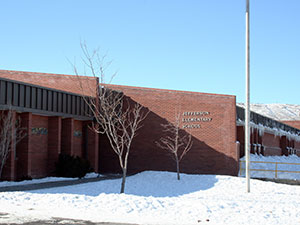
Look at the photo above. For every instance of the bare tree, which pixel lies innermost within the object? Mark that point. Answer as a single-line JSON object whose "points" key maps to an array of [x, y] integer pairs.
{"points": [[10, 134], [175, 141], [114, 114]]}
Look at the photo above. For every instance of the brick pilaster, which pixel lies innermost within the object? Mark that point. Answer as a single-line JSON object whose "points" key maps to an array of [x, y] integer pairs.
{"points": [[67, 136], [24, 153], [91, 146], [54, 142]]}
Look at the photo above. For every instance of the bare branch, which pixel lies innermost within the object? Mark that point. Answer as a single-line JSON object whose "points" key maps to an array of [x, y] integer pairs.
{"points": [[11, 133], [114, 115], [175, 141]]}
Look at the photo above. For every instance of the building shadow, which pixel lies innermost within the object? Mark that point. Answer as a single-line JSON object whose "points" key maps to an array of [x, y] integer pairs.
{"points": [[144, 184], [145, 155]]}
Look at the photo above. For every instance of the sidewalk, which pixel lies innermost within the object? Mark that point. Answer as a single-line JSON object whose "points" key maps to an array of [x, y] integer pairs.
{"points": [[28, 187]]}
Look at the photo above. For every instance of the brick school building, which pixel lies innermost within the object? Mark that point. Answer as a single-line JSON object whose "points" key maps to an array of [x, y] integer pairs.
{"points": [[57, 120]]}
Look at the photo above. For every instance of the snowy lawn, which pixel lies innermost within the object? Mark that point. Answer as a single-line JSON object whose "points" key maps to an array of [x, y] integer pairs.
{"points": [[158, 198]]}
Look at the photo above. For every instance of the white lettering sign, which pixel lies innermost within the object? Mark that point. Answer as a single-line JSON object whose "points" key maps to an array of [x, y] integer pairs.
{"points": [[195, 117]]}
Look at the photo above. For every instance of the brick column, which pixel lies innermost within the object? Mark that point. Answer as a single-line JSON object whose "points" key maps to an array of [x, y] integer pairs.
{"points": [[91, 144], [67, 136], [24, 153], [54, 142]]}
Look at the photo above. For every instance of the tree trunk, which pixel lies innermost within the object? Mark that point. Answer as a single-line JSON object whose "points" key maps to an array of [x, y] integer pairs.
{"points": [[1, 168], [123, 180], [177, 168], [2, 165]]}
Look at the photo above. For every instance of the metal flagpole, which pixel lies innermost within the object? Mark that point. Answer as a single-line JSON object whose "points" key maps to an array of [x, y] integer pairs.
{"points": [[247, 109]]}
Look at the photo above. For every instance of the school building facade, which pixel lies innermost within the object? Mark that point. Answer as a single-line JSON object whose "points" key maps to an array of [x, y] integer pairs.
{"points": [[57, 120]]}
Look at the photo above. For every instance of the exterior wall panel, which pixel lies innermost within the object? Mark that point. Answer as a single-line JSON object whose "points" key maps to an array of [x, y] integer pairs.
{"points": [[69, 104], [64, 103], [33, 98], [78, 105], [28, 97], [49, 101], [54, 102], [73, 105], [82, 106], [15, 94], [22, 95], [9, 93], [44, 100], [39, 99], [59, 102], [2, 92]]}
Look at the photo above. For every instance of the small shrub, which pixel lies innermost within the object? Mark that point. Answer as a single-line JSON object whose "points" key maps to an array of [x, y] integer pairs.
{"points": [[72, 166]]}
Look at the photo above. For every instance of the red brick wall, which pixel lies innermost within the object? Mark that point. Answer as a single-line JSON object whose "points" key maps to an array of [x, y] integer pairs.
{"points": [[91, 145], [271, 144], [297, 147], [295, 123], [214, 149], [39, 146], [70, 83], [256, 140], [72, 137], [24, 152], [77, 138], [67, 137], [54, 142]]}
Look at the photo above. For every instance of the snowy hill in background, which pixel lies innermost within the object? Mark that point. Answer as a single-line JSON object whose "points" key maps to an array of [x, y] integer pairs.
{"points": [[276, 111]]}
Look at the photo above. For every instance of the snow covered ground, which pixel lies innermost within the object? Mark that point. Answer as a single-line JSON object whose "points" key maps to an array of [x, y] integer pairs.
{"points": [[158, 198], [276, 111]]}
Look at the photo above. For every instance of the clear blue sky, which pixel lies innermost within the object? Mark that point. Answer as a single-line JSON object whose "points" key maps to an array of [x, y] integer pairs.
{"points": [[193, 45]]}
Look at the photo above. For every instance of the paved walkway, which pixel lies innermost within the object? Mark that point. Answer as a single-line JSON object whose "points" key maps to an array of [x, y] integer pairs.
{"points": [[64, 221], [61, 221], [28, 187]]}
